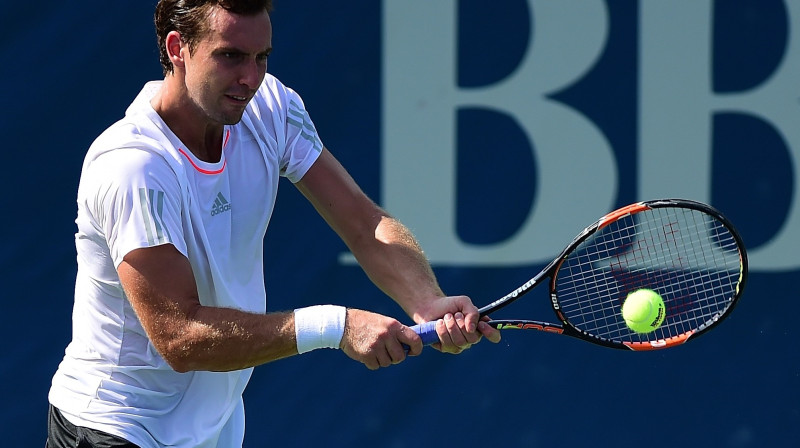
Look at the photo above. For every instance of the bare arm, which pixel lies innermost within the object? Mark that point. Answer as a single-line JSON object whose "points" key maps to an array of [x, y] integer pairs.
{"points": [[384, 248], [389, 254], [161, 288]]}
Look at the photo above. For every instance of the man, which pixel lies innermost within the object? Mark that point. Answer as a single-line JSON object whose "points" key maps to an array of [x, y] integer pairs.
{"points": [[173, 204]]}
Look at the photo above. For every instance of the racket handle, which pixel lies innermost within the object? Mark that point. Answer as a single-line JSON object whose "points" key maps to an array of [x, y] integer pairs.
{"points": [[427, 331]]}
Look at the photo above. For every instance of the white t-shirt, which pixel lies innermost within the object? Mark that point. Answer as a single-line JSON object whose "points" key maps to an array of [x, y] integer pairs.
{"points": [[141, 187]]}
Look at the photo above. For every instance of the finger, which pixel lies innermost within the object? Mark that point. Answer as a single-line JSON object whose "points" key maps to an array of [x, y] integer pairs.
{"points": [[371, 364], [412, 343], [446, 345], [471, 320], [454, 328], [447, 330], [384, 359], [491, 333], [469, 331], [470, 336], [397, 354]]}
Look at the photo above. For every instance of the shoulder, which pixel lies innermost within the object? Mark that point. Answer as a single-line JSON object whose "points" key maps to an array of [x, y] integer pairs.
{"points": [[123, 159], [124, 147], [140, 128], [126, 161], [117, 179], [274, 95], [273, 85]]}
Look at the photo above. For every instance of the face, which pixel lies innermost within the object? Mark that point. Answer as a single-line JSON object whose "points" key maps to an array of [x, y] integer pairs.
{"points": [[227, 66]]}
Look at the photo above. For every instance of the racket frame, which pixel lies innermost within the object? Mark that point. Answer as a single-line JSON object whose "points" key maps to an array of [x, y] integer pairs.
{"points": [[564, 326]]}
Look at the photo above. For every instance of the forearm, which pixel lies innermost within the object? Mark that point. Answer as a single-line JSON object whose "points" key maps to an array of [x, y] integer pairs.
{"points": [[394, 261], [223, 339], [159, 284]]}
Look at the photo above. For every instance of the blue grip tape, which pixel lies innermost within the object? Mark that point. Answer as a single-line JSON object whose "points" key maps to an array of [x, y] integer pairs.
{"points": [[427, 331]]}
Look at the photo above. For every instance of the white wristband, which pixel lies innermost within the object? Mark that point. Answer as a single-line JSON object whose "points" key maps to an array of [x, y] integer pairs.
{"points": [[319, 326]]}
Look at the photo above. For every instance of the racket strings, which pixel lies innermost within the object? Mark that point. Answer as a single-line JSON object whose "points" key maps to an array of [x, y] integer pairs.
{"points": [[690, 258]]}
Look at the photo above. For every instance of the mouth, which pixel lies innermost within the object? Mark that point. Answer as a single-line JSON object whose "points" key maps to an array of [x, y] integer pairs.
{"points": [[238, 98]]}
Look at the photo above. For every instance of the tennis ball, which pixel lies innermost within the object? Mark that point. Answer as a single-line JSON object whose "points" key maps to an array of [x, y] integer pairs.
{"points": [[643, 310]]}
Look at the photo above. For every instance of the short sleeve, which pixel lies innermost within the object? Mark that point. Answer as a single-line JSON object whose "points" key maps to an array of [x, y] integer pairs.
{"points": [[282, 122], [303, 144], [134, 198]]}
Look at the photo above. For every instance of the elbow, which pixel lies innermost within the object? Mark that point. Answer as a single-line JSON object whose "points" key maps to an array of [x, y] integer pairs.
{"points": [[179, 365], [378, 230], [178, 355], [182, 344]]}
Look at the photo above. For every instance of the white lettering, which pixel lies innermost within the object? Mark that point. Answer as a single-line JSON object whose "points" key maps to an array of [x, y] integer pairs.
{"points": [[577, 178], [677, 104]]}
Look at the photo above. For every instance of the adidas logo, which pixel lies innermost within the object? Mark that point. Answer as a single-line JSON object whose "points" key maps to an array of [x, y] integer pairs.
{"points": [[221, 205]]}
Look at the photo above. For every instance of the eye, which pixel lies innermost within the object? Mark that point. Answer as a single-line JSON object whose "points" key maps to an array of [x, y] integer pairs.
{"points": [[230, 55]]}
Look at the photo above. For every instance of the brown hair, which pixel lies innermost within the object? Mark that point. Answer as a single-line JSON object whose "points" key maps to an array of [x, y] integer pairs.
{"points": [[188, 17]]}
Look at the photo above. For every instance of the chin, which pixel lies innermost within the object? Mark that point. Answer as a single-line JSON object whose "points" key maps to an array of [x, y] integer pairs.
{"points": [[234, 118]]}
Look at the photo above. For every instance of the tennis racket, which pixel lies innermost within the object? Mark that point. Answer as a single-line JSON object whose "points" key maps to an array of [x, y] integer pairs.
{"points": [[686, 251]]}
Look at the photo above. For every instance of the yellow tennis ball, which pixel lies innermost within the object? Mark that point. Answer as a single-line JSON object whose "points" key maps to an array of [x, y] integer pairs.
{"points": [[643, 310]]}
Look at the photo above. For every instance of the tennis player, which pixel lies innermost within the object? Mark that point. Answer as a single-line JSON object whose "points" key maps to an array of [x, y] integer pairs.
{"points": [[173, 203]]}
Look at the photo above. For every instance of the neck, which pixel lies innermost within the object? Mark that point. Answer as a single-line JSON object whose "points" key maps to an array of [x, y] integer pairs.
{"points": [[200, 136]]}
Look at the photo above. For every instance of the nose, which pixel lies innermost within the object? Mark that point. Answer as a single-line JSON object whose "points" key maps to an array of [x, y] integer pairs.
{"points": [[252, 74]]}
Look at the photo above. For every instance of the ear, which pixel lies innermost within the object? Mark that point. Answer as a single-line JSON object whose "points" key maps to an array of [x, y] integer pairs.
{"points": [[174, 45]]}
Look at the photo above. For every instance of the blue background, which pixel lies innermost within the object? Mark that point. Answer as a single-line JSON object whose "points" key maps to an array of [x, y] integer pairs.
{"points": [[69, 71]]}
